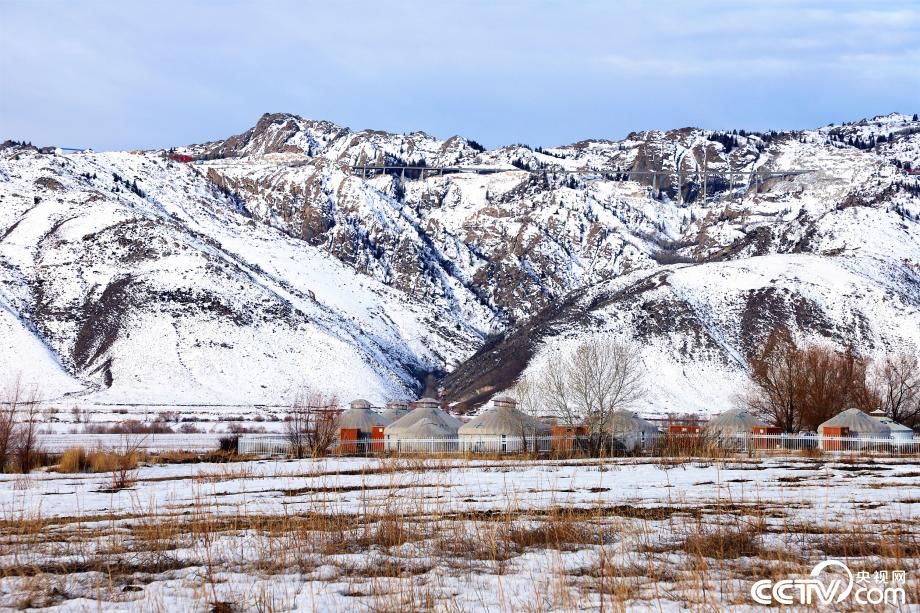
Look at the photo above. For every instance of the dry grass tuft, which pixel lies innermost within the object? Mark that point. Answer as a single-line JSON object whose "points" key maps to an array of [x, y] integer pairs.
{"points": [[861, 544], [394, 551], [557, 534], [109, 461], [725, 543], [388, 532], [73, 460], [225, 472]]}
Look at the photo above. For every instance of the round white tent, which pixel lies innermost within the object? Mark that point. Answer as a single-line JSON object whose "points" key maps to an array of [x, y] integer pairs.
{"points": [[858, 423], [733, 423], [429, 428], [630, 430], [504, 428], [396, 409], [434, 429], [899, 432], [361, 417]]}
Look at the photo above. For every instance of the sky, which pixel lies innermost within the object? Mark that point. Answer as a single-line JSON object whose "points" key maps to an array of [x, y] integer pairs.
{"points": [[132, 74]]}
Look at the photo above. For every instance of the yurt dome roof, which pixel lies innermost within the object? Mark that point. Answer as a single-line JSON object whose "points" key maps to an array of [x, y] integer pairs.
{"points": [[396, 409], [504, 419], [360, 403], [362, 418], [428, 428], [432, 413], [733, 421], [857, 421], [894, 426], [622, 421]]}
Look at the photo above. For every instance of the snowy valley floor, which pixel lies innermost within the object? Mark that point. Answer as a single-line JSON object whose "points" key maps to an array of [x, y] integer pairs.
{"points": [[453, 535]]}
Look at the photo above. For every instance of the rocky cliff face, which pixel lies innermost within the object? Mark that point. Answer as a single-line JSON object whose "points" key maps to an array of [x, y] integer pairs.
{"points": [[514, 264]]}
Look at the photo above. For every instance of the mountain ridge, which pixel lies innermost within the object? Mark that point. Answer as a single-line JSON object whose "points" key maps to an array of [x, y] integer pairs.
{"points": [[454, 264]]}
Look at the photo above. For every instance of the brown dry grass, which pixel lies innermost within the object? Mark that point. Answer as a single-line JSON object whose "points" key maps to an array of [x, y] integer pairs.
{"points": [[73, 460], [722, 544], [108, 461], [899, 543]]}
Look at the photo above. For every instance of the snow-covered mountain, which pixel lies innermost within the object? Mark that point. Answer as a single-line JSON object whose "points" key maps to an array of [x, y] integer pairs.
{"points": [[134, 279], [270, 264]]}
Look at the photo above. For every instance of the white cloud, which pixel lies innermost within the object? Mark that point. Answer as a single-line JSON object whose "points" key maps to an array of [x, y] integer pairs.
{"points": [[128, 74]]}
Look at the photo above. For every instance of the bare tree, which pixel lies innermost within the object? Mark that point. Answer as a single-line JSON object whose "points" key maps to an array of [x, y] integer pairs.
{"points": [[587, 385], [8, 421], [311, 423], [798, 388], [27, 447], [896, 383], [836, 380], [778, 377], [553, 388], [20, 413], [527, 393], [604, 376]]}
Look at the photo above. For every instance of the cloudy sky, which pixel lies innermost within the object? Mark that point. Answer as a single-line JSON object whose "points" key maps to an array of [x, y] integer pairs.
{"points": [[150, 74]]}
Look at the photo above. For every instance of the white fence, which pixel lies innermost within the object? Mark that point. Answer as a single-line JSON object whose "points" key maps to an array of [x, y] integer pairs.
{"points": [[768, 443], [622, 443], [57, 443], [637, 443], [264, 444]]}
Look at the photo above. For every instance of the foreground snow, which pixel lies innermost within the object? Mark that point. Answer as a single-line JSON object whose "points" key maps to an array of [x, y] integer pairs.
{"points": [[346, 534]]}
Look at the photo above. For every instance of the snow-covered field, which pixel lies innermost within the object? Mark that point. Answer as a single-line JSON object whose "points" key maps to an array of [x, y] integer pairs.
{"points": [[399, 535]]}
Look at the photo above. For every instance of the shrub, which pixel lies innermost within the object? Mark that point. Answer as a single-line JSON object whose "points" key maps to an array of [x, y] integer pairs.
{"points": [[130, 426], [229, 443]]}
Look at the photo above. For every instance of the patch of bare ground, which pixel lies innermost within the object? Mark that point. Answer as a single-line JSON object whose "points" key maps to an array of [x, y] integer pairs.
{"points": [[150, 565]]}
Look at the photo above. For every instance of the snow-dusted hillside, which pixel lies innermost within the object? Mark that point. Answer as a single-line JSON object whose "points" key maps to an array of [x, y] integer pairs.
{"points": [[172, 293], [269, 264], [696, 324]]}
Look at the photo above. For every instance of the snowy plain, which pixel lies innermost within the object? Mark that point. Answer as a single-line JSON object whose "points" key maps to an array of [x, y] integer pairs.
{"points": [[455, 535]]}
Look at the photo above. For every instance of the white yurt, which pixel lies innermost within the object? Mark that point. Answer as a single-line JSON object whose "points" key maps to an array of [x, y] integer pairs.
{"points": [[427, 422], [428, 435], [396, 409], [859, 424], [502, 427], [630, 430], [899, 432], [360, 416], [732, 426]]}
